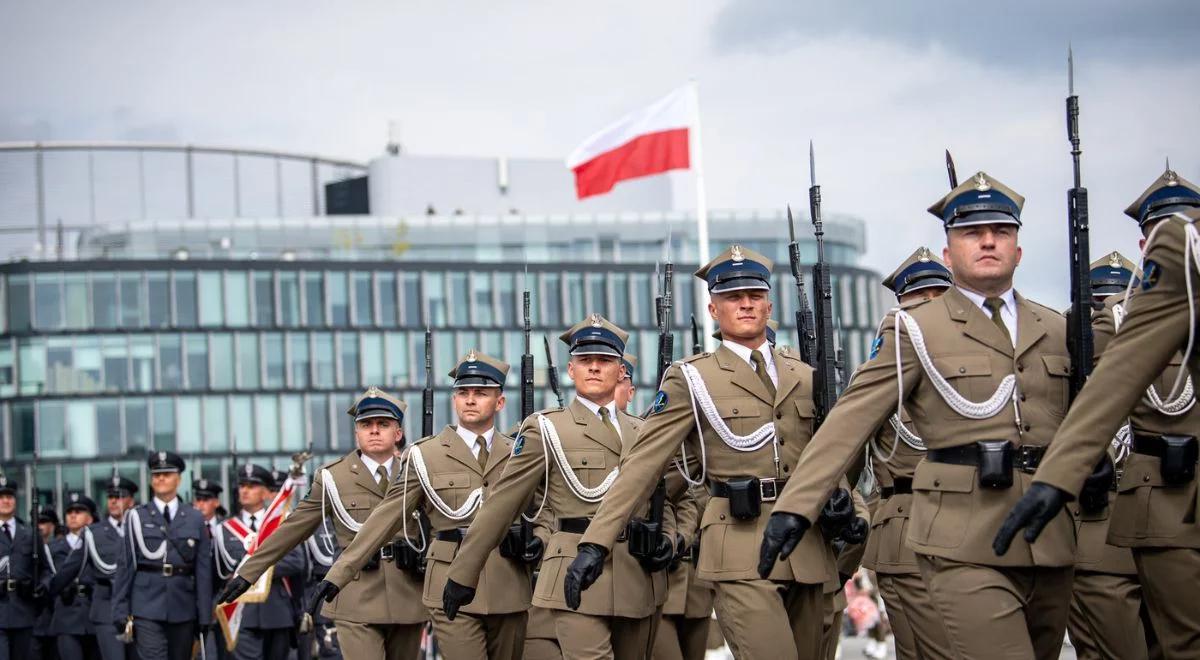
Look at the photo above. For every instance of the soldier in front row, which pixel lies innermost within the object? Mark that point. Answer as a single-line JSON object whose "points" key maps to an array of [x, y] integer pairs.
{"points": [[18, 591], [74, 582], [379, 612], [108, 544], [164, 579], [983, 372], [447, 476]]}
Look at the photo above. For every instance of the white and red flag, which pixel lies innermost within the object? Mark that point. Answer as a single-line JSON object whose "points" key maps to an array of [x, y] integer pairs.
{"points": [[651, 140]]}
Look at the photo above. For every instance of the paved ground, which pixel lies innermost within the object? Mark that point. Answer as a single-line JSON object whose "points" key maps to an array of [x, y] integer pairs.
{"points": [[852, 649]]}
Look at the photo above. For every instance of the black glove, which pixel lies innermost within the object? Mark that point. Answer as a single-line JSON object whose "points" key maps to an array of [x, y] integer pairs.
{"points": [[533, 550], [680, 548], [664, 552], [856, 532], [1036, 508], [236, 586], [325, 592], [455, 596], [784, 531], [203, 629], [1094, 495], [583, 572], [837, 513]]}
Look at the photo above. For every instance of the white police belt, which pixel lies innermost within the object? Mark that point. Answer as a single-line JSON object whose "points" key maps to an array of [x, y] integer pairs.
{"points": [[1176, 406]]}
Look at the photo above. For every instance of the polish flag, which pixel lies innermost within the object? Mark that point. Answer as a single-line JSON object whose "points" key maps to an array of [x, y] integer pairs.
{"points": [[648, 141]]}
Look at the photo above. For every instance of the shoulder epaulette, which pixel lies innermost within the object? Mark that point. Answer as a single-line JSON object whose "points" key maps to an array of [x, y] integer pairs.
{"points": [[914, 303], [697, 356], [332, 463]]}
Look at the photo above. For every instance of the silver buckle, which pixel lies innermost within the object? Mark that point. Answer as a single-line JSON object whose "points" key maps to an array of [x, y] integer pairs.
{"points": [[168, 570], [10, 585], [387, 552], [768, 491]]}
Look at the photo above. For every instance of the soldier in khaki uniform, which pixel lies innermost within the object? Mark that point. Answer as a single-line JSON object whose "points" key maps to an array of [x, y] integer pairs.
{"points": [[379, 613], [572, 453], [752, 421], [916, 626], [1156, 506], [447, 476], [683, 629], [983, 372]]}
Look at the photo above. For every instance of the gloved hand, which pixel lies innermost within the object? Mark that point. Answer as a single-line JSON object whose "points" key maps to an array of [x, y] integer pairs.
{"points": [[1094, 495], [1034, 510], [325, 592], [203, 629], [533, 550], [837, 513], [236, 586], [583, 572], [664, 552], [856, 532], [455, 596], [783, 532], [680, 548]]}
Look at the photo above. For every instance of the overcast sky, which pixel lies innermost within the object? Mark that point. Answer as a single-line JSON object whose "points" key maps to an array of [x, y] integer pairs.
{"points": [[881, 87]]}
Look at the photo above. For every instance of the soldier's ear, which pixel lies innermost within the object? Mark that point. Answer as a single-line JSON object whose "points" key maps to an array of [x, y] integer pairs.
{"points": [[946, 254]]}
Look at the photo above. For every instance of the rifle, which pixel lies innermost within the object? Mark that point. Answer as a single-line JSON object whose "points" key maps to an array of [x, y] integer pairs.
{"points": [[551, 373], [804, 314], [1079, 318], [666, 340], [825, 386], [697, 345], [34, 499], [235, 505], [427, 393], [526, 359]]}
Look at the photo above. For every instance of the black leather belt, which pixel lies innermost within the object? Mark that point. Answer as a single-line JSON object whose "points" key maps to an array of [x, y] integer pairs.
{"points": [[580, 525], [768, 489], [1026, 458], [900, 486], [166, 570], [455, 535], [1148, 445]]}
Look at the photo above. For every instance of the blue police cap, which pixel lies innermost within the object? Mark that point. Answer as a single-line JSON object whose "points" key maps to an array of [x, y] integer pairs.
{"points": [[1111, 275], [162, 461]]}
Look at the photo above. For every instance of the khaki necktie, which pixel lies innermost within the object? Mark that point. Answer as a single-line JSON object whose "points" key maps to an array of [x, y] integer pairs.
{"points": [[607, 422], [760, 368], [994, 305], [382, 474], [483, 451]]}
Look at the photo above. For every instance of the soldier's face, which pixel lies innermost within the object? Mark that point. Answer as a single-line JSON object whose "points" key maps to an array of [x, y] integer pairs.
{"points": [[164, 484], [983, 257], [207, 506], [8, 506], [742, 315], [46, 529], [624, 394], [476, 407], [251, 496], [595, 376], [117, 506], [377, 435], [77, 519]]}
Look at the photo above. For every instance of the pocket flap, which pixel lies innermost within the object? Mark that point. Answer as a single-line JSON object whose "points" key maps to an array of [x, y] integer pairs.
{"points": [[1140, 471], [450, 480], [739, 407], [441, 550], [896, 506], [953, 366], [1057, 365], [586, 459], [944, 477], [806, 408]]}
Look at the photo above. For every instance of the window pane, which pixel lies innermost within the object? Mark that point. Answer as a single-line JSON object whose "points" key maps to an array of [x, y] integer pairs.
{"points": [[31, 365], [104, 300], [481, 298], [141, 356], [339, 299], [48, 301], [22, 427], [185, 299], [324, 359], [314, 300], [114, 360], [137, 427], [18, 303], [435, 296], [164, 423], [348, 351], [292, 422], [211, 306], [159, 298], [552, 314], [597, 298], [80, 431], [509, 306], [641, 305], [216, 419], [619, 284], [364, 306], [410, 303], [298, 355], [221, 353], [52, 424], [575, 298], [75, 291], [247, 361], [187, 418], [460, 297], [170, 363], [197, 361], [372, 358], [318, 421], [108, 428], [264, 300], [387, 299], [241, 423], [59, 375], [88, 376], [273, 358], [133, 312], [266, 423], [237, 300], [397, 359], [289, 299], [8, 372]]}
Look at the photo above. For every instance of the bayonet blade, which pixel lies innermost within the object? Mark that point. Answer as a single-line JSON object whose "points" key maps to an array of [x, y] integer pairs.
{"points": [[791, 225], [1070, 71], [951, 171], [812, 165]]}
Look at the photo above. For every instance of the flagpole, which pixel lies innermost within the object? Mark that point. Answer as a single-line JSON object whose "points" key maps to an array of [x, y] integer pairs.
{"points": [[701, 296]]}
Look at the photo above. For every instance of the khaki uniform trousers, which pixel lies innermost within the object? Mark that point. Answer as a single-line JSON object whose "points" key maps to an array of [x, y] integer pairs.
{"points": [[377, 641], [995, 612], [479, 636], [916, 627], [1104, 621], [831, 626], [757, 616], [1168, 577], [681, 638], [541, 640], [588, 637]]}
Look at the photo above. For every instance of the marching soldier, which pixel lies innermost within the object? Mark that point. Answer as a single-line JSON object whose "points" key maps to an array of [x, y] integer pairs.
{"points": [[447, 476], [74, 582], [1154, 512], [583, 442], [105, 548], [751, 407], [683, 629], [983, 372], [164, 579], [626, 389], [206, 498], [319, 640], [894, 454], [44, 645], [379, 612], [18, 593]]}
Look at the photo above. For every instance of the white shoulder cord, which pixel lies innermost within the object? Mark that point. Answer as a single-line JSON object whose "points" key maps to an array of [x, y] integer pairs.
{"points": [[404, 500], [4, 565], [89, 542], [329, 491], [135, 526], [49, 558], [1174, 407], [550, 438], [318, 555], [226, 565], [1122, 443], [474, 498], [902, 434]]}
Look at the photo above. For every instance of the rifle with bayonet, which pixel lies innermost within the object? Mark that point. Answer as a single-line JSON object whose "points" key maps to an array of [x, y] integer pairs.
{"points": [[34, 502], [551, 372], [697, 344], [427, 393], [825, 377], [666, 340], [526, 359], [234, 504], [806, 341]]}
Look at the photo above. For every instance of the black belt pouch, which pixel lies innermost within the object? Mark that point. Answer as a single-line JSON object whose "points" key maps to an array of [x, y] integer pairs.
{"points": [[512, 546], [745, 498], [1178, 465], [995, 464]]}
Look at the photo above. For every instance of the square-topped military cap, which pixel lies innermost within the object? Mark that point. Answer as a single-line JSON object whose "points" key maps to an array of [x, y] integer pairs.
{"points": [[162, 461], [377, 403], [980, 200], [921, 270], [595, 335], [630, 363], [476, 369], [1168, 194], [735, 269], [1111, 274]]}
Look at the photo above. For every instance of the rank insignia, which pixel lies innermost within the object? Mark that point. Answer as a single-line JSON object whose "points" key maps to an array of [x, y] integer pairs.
{"points": [[875, 346], [1150, 273], [518, 445], [660, 402]]}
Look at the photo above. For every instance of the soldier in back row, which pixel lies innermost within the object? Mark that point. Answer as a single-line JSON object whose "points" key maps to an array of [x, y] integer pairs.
{"points": [[18, 589], [73, 583]]}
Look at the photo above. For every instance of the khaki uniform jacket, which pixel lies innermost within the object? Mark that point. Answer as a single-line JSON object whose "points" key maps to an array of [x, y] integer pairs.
{"points": [[728, 547], [1154, 331], [625, 589], [386, 595], [887, 547], [952, 517], [453, 472]]}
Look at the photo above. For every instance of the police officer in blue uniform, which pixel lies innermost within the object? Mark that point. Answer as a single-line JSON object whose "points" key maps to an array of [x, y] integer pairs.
{"points": [[17, 589], [105, 547], [74, 582]]}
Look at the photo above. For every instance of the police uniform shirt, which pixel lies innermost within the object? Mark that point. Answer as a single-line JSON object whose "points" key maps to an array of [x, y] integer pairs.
{"points": [[73, 540], [612, 412], [745, 352], [163, 507], [117, 525], [469, 438], [373, 467], [253, 520], [1008, 313]]}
